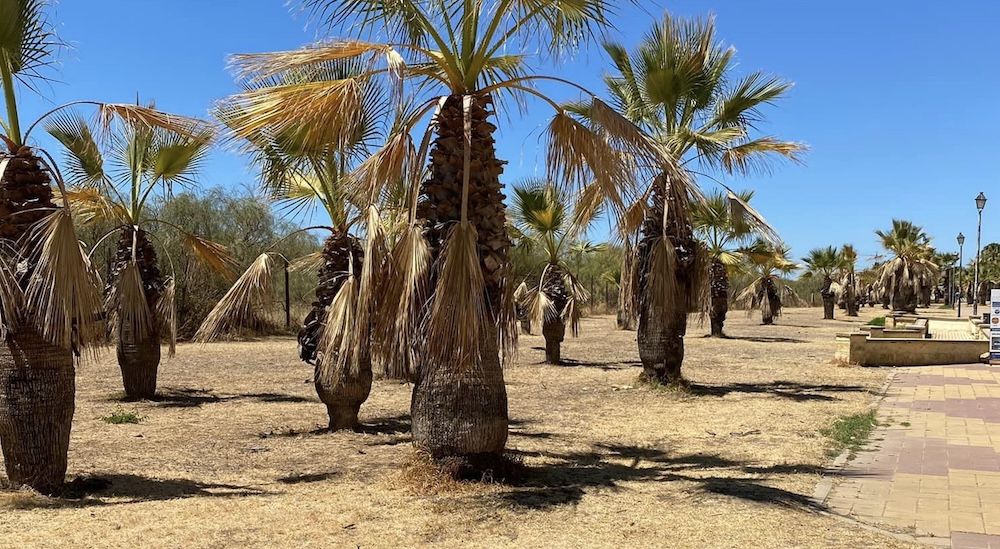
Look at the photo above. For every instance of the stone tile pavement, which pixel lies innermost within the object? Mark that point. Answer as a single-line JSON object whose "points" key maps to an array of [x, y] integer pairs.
{"points": [[934, 466]]}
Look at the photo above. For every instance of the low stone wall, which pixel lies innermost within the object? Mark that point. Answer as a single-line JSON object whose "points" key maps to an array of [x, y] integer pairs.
{"points": [[884, 351]]}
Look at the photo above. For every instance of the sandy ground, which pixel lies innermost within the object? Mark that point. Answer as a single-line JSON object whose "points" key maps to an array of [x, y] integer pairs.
{"points": [[232, 454]]}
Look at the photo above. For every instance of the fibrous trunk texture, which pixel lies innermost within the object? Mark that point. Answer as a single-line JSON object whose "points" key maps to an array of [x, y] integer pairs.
{"points": [[626, 296], [461, 413], [343, 392], [661, 332], [772, 306], [719, 281], [37, 383], [139, 355], [554, 325], [829, 299], [904, 296]]}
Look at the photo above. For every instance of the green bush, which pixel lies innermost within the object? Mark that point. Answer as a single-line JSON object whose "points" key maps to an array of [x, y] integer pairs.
{"points": [[850, 432], [122, 417], [877, 321]]}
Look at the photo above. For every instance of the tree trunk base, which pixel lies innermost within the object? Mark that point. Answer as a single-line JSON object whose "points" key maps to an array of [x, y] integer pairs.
{"points": [[526, 327], [37, 401], [716, 329], [343, 417], [139, 363], [554, 332], [668, 377]]}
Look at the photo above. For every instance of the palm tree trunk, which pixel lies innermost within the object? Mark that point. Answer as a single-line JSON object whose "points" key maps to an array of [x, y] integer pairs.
{"points": [[829, 299], [772, 306], [37, 380], [851, 297], [343, 392], [626, 311], [554, 327], [461, 412], [719, 280], [139, 356], [661, 332]]}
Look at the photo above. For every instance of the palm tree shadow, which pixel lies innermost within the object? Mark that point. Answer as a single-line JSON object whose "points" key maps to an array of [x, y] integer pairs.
{"points": [[606, 467], [126, 489], [607, 365], [766, 339], [195, 398], [791, 390]]}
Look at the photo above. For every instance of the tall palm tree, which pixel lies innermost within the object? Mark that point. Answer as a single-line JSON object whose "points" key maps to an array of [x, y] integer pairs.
{"points": [[540, 213], [848, 280], [910, 264], [115, 183], [678, 87], [450, 295], [303, 177], [824, 263], [768, 290], [724, 231]]}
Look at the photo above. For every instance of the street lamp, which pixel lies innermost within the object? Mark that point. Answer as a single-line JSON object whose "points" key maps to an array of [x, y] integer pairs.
{"points": [[980, 204], [961, 289]]}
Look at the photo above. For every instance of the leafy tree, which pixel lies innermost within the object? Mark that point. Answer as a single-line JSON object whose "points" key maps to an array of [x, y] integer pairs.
{"points": [[824, 263], [540, 213], [679, 89], [768, 289], [723, 230], [910, 265]]}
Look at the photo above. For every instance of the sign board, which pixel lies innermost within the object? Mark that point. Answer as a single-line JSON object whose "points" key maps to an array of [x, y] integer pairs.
{"points": [[995, 327]]}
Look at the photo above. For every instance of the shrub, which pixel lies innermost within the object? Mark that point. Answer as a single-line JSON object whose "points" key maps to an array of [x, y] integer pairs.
{"points": [[122, 417], [877, 321]]}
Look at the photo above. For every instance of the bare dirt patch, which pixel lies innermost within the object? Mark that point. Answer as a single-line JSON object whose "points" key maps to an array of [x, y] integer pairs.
{"points": [[233, 454]]}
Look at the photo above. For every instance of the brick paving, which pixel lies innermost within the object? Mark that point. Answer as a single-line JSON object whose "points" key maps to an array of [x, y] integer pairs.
{"points": [[934, 466]]}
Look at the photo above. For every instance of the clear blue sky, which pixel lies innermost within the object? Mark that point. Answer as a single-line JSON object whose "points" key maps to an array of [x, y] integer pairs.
{"points": [[896, 99]]}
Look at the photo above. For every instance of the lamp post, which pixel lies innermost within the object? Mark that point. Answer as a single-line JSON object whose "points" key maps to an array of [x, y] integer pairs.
{"points": [[961, 289], [980, 204]]}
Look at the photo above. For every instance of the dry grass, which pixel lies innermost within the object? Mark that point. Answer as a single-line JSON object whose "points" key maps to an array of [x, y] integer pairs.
{"points": [[232, 454]]}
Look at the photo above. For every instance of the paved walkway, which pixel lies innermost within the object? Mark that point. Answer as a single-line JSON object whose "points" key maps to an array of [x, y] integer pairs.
{"points": [[934, 468]]}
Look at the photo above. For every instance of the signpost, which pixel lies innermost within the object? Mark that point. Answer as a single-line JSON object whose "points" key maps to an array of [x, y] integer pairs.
{"points": [[994, 327]]}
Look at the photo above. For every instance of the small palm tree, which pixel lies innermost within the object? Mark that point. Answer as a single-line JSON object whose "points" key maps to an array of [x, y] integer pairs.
{"points": [[724, 231], [304, 177], [768, 291], [540, 214], [824, 263], [679, 89], [910, 265], [116, 185], [848, 280]]}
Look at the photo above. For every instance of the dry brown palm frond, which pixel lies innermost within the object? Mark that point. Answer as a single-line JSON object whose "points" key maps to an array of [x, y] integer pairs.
{"points": [[128, 310], [634, 217], [459, 313], [137, 116], [264, 65], [749, 157], [748, 220], [62, 297], [626, 136], [340, 353], [307, 263], [91, 205], [372, 274], [166, 311], [662, 287], [247, 302], [578, 296], [630, 270], [577, 156], [699, 287], [10, 293], [506, 317], [213, 255], [312, 114], [385, 168], [404, 297]]}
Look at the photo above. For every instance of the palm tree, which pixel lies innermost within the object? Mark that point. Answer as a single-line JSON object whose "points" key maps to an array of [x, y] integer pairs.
{"points": [[115, 184], [768, 290], [723, 230], [303, 177], [450, 295], [903, 274], [50, 302], [824, 263], [678, 88], [540, 214], [848, 280]]}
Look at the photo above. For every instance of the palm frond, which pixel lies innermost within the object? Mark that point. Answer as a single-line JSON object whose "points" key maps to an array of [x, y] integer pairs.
{"points": [[62, 295], [247, 302], [130, 314], [405, 294], [166, 311], [211, 254], [85, 164]]}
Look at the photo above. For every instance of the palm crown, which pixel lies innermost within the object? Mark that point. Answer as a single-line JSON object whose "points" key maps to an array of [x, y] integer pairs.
{"points": [[822, 262]]}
